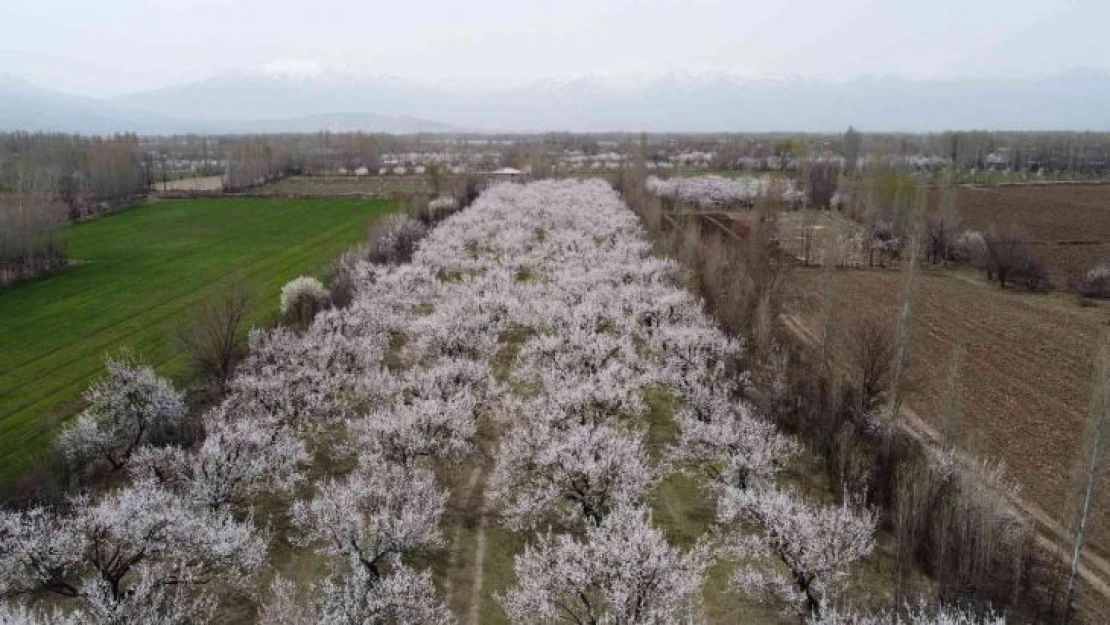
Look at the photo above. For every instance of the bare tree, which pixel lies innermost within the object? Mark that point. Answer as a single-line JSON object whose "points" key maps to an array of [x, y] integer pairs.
{"points": [[214, 341], [850, 147], [821, 182], [905, 313], [1093, 459], [872, 346], [1010, 259]]}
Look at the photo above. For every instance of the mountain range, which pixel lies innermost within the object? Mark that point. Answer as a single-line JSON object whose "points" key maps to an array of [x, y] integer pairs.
{"points": [[255, 102]]}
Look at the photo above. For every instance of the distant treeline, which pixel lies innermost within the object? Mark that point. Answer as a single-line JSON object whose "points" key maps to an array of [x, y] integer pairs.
{"points": [[1022, 151], [47, 179]]}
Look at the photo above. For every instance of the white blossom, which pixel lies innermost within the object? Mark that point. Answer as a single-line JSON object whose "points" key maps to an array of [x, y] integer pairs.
{"points": [[578, 474], [815, 543], [301, 289], [123, 410], [730, 445], [238, 460], [134, 550], [375, 515], [355, 598], [623, 572]]}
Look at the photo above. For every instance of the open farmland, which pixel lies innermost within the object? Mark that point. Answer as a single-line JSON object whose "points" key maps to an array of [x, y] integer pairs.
{"points": [[531, 421], [203, 184], [1068, 224], [1026, 375], [134, 277], [807, 234], [357, 186]]}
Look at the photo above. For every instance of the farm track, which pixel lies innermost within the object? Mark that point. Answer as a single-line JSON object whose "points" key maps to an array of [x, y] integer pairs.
{"points": [[1050, 534]]}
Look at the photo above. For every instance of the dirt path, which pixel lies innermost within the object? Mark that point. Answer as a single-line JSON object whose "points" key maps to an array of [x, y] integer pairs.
{"points": [[479, 568], [457, 535], [1050, 534]]}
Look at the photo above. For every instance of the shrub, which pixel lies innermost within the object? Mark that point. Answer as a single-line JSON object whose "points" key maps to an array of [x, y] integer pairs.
{"points": [[341, 280], [301, 299], [395, 240], [1096, 282], [1009, 258], [441, 208], [969, 247], [1032, 274]]}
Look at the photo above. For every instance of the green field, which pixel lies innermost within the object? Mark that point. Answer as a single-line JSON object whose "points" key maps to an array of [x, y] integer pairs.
{"points": [[133, 280]]}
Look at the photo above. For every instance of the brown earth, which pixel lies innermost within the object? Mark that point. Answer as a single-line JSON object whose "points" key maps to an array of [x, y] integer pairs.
{"points": [[208, 183], [1069, 223], [1026, 375], [376, 186]]}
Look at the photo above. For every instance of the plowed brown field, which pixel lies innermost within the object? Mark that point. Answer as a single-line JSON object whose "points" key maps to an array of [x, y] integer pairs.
{"points": [[1026, 372], [1070, 223]]}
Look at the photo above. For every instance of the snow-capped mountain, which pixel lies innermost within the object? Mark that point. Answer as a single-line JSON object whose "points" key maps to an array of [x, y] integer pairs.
{"points": [[298, 96]]}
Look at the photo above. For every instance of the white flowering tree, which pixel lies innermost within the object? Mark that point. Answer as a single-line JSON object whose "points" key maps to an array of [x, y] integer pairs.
{"points": [[373, 517], [921, 614], [136, 551], [430, 415], [800, 550], [576, 475], [355, 597], [239, 460], [622, 572], [724, 442], [124, 408]]}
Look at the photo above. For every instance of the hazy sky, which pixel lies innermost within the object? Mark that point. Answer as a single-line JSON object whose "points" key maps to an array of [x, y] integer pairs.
{"points": [[106, 47]]}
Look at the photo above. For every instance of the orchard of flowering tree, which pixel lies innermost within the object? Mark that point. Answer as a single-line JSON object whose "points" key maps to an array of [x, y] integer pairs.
{"points": [[712, 191], [540, 314]]}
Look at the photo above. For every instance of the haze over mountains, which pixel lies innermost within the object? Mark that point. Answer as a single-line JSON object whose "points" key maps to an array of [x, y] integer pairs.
{"points": [[258, 102]]}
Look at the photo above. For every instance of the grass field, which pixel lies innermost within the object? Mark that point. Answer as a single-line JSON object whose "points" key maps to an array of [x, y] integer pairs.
{"points": [[133, 279], [1026, 375]]}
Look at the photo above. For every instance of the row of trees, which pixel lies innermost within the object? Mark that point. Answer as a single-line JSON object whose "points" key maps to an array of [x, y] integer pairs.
{"points": [[47, 179], [84, 173], [839, 390]]}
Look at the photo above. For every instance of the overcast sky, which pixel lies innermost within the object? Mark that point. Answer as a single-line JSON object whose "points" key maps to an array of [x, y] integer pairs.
{"points": [[107, 47]]}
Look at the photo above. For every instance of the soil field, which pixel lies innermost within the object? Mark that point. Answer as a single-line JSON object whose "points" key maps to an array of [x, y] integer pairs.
{"points": [[370, 186], [1026, 375], [1069, 223], [208, 184], [814, 237], [133, 281]]}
